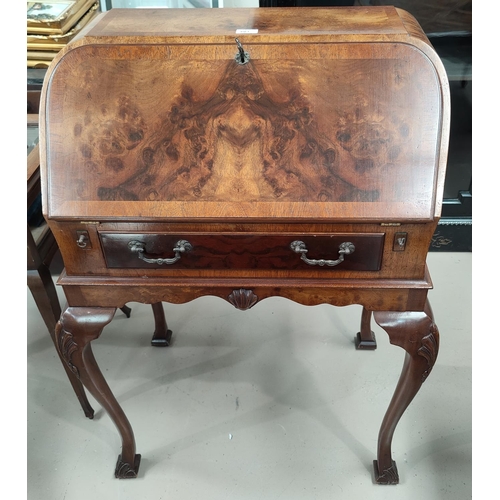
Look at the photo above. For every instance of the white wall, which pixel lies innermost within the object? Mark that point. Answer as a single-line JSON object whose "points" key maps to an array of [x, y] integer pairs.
{"points": [[174, 3], [240, 3]]}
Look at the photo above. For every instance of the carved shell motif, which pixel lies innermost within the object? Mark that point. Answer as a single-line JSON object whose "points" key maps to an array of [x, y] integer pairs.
{"points": [[242, 299]]}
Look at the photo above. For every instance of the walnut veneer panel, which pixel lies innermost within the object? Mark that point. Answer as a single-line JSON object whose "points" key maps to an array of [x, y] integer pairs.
{"points": [[315, 131]]}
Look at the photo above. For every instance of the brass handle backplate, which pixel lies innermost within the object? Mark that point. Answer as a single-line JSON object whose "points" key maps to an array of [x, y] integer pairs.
{"points": [[345, 248]]}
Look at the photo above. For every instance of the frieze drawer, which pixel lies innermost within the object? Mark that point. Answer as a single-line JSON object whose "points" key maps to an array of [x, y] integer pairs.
{"points": [[343, 251]]}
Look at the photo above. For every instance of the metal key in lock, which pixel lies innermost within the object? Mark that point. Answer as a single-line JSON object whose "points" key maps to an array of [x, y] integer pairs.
{"points": [[83, 239]]}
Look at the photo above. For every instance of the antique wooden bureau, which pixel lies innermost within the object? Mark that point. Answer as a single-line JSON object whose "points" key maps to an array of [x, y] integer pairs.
{"points": [[246, 153]]}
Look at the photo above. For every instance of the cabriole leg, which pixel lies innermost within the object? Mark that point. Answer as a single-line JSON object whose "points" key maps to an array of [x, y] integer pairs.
{"points": [[418, 335], [365, 338], [162, 335], [75, 330]]}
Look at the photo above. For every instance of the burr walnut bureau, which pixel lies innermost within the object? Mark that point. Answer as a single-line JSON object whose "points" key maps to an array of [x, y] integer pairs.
{"points": [[245, 154]]}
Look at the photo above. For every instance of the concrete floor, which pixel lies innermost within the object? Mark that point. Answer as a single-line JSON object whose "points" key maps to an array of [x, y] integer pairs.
{"points": [[272, 403]]}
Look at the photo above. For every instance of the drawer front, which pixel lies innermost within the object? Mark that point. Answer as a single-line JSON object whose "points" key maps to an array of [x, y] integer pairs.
{"points": [[243, 251]]}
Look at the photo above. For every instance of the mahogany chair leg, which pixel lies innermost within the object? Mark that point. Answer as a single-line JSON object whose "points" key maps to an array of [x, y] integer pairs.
{"points": [[44, 293], [162, 335], [365, 338], [74, 332], [418, 335]]}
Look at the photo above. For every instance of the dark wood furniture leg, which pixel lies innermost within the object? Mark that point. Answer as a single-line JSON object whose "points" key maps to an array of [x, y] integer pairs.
{"points": [[45, 296], [74, 332], [162, 335], [43, 290], [365, 338], [418, 335], [44, 293], [126, 310]]}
